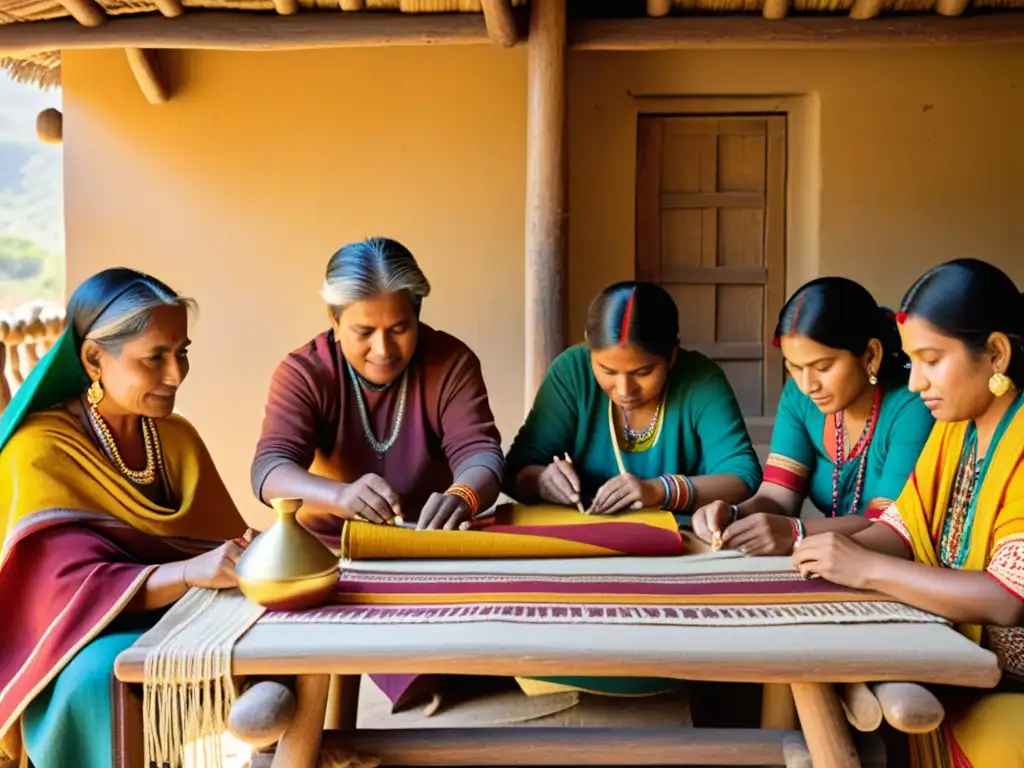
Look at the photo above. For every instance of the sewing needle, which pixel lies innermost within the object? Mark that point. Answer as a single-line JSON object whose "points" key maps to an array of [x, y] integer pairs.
{"points": [[579, 504]]}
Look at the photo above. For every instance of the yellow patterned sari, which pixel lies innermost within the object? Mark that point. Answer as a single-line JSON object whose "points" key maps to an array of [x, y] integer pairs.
{"points": [[986, 535]]}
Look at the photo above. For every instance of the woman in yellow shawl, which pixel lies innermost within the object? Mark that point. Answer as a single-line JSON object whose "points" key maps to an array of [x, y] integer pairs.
{"points": [[110, 510], [953, 543]]}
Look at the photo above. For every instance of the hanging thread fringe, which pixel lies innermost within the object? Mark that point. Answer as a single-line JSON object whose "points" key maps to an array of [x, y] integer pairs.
{"points": [[188, 689]]}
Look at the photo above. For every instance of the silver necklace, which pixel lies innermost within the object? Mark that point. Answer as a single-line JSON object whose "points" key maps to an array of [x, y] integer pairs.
{"points": [[632, 438], [380, 448]]}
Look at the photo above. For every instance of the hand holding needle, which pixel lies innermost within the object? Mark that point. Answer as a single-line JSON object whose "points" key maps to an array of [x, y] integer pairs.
{"points": [[569, 471]]}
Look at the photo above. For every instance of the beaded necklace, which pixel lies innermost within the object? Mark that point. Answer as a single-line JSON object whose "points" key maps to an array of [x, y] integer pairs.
{"points": [[952, 546], [380, 448], [863, 443], [639, 440], [151, 439]]}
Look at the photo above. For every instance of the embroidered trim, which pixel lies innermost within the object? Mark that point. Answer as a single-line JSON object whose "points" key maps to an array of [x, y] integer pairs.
{"points": [[555, 613], [892, 518], [877, 507], [1008, 645], [784, 471], [1007, 564]]}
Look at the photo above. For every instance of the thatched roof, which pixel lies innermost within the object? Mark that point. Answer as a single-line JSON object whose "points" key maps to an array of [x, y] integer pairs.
{"points": [[53, 25]]}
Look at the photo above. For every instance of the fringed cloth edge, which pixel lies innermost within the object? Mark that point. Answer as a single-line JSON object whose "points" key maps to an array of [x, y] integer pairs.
{"points": [[188, 689]]}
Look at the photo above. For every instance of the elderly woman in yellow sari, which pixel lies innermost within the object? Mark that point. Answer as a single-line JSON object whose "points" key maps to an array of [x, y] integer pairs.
{"points": [[110, 509], [953, 543]]}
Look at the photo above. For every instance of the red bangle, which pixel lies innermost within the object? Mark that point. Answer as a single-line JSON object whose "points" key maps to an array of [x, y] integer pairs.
{"points": [[467, 494]]}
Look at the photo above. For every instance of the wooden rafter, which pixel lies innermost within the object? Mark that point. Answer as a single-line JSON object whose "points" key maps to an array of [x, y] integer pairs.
{"points": [[86, 12], [734, 32], [286, 7], [172, 9], [775, 9], [353, 5], [145, 65], [951, 7], [865, 9], [501, 24], [659, 7]]}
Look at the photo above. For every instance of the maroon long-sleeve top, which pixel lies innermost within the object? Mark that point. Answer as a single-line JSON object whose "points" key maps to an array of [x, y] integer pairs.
{"points": [[312, 420]]}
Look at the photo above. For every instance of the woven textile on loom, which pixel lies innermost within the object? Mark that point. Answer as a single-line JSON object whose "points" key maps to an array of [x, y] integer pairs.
{"points": [[696, 591], [519, 531]]}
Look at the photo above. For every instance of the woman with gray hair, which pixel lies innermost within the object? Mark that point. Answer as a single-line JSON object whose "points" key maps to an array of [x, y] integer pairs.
{"points": [[381, 416], [106, 497]]}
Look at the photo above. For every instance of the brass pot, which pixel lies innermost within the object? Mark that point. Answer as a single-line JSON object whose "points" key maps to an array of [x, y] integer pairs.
{"points": [[287, 567]]}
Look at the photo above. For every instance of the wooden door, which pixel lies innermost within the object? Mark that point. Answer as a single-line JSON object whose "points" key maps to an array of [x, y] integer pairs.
{"points": [[710, 228]]}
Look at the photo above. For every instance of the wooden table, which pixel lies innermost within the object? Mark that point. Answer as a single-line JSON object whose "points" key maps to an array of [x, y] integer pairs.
{"points": [[808, 658]]}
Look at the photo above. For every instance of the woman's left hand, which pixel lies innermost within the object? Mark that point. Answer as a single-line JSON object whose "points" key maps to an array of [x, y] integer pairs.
{"points": [[835, 557], [626, 492], [443, 511]]}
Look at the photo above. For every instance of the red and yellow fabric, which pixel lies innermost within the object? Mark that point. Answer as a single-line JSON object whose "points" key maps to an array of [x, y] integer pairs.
{"points": [[522, 531], [987, 733], [79, 541]]}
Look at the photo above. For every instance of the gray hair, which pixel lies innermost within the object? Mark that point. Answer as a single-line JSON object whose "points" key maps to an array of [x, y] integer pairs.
{"points": [[372, 268], [114, 306]]}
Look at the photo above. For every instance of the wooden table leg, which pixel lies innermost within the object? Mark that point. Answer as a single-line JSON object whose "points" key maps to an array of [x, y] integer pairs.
{"points": [[342, 703], [299, 747], [127, 728], [824, 726], [777, 710]]}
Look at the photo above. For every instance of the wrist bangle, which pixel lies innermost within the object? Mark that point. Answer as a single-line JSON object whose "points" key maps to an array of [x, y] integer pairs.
{"points": [[734, 510], [467, 494], [799, 531]]}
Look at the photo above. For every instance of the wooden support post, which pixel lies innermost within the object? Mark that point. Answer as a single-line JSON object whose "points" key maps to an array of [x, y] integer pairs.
{"points": [[145, 66], [545, 191], [824, 726], [300, 745], [501, 24]]}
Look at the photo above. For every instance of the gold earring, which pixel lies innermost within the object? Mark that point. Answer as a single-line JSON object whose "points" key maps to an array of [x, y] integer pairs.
{"points": [[999, 384], [95, 394], [872, 379]]}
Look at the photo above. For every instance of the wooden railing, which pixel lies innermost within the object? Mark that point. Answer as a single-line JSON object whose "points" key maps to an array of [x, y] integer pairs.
{"points": [[26, 334]]}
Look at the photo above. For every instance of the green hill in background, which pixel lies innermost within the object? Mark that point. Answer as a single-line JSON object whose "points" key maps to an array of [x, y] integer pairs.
{"points": [[31, 199]]}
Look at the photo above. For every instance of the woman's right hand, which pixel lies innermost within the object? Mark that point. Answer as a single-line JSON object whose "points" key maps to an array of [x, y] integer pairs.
{"points": [[710, 519], [214, 569], [369, 498], [559, 483]]}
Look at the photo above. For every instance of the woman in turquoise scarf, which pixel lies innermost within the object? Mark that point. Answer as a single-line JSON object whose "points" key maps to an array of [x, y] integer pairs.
{"points": [[631, 420], [847, 432]]}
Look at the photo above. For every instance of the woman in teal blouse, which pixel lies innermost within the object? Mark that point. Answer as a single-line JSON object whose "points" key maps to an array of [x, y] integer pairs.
{"points": [[631, 420], [848, 431]]}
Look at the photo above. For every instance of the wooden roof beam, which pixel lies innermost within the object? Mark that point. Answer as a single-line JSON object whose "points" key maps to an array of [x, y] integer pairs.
{"points": [[145, 66], [244, 31], [501, 24], [754, 32], [88, 13]]}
